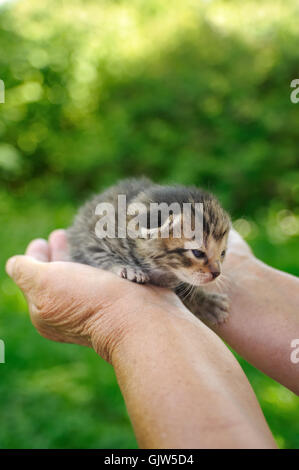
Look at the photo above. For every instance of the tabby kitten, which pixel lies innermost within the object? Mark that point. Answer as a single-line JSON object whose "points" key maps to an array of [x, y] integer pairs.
{"points": [[184, 263]]}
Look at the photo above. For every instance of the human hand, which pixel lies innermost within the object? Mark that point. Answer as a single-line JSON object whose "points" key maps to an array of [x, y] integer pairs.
{"points": [[237, 250], [263, 318], [76, 303]]}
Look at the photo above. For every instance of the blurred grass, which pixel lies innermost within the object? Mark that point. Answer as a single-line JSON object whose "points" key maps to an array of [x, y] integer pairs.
{"points": [[192, 92]]}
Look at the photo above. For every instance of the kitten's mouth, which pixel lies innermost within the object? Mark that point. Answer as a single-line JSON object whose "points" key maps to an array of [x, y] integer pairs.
{"points": [[199, 279], [203, 278]]}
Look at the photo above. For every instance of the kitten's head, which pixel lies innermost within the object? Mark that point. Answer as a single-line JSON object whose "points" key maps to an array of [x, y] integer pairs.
{"points": [[194, 258]]}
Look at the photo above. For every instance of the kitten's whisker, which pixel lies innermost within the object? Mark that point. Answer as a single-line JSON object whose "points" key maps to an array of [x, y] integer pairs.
{"points": [[219, 284], [187, 290], [193, 291], [222, 283], [184, 289], [226, 281], [189, 295]]}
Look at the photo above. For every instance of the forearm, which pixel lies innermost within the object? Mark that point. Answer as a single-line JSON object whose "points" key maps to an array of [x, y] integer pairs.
{"points": [[184, 389], [264, 320], [182, 386]]}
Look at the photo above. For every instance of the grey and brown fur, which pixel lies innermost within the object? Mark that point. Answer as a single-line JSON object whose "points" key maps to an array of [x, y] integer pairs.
{"points": [[166, 262]]}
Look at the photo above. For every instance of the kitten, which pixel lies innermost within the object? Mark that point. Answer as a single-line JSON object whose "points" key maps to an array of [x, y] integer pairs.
{"points": [[183, 263]]}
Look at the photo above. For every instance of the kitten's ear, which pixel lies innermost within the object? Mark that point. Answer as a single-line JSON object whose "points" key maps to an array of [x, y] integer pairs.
{"points": [[152, 222], [172, 226], [162, 226]]}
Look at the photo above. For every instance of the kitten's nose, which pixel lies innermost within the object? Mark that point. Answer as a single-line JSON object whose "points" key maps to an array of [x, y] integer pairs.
{"points": [[215, 274]]}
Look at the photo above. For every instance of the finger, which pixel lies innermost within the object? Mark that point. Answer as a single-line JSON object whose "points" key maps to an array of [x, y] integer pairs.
{"points": [[58, 246], [24, 270], [39, 249]]}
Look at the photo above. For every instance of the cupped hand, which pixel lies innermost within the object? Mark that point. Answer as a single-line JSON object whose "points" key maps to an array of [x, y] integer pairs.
{"points": [[76, 303], [237, 249]]}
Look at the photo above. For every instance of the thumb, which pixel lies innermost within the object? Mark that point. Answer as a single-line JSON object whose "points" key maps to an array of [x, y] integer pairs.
{"points": [[24, 270]]}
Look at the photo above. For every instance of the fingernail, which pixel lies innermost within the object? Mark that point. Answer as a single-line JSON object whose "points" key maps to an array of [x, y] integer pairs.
{"points": [[9, 266]]}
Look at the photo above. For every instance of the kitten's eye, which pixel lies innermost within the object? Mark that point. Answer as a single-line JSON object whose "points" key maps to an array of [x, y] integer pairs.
{"points": [[223, 254], [198, 253]]}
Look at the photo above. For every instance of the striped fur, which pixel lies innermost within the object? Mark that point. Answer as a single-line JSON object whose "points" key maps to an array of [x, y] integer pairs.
{"points": [[164, 261]]}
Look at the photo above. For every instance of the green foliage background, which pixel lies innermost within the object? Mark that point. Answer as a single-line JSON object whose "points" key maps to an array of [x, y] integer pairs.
{"points": [[185, 90]]}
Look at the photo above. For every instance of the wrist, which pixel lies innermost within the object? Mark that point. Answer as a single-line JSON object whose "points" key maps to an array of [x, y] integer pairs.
{"points": [[243, 275], [132, 321]]}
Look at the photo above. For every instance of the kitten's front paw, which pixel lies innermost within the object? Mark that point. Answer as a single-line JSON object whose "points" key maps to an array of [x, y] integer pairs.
{"points": [[133, 274], [214, 310]]}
